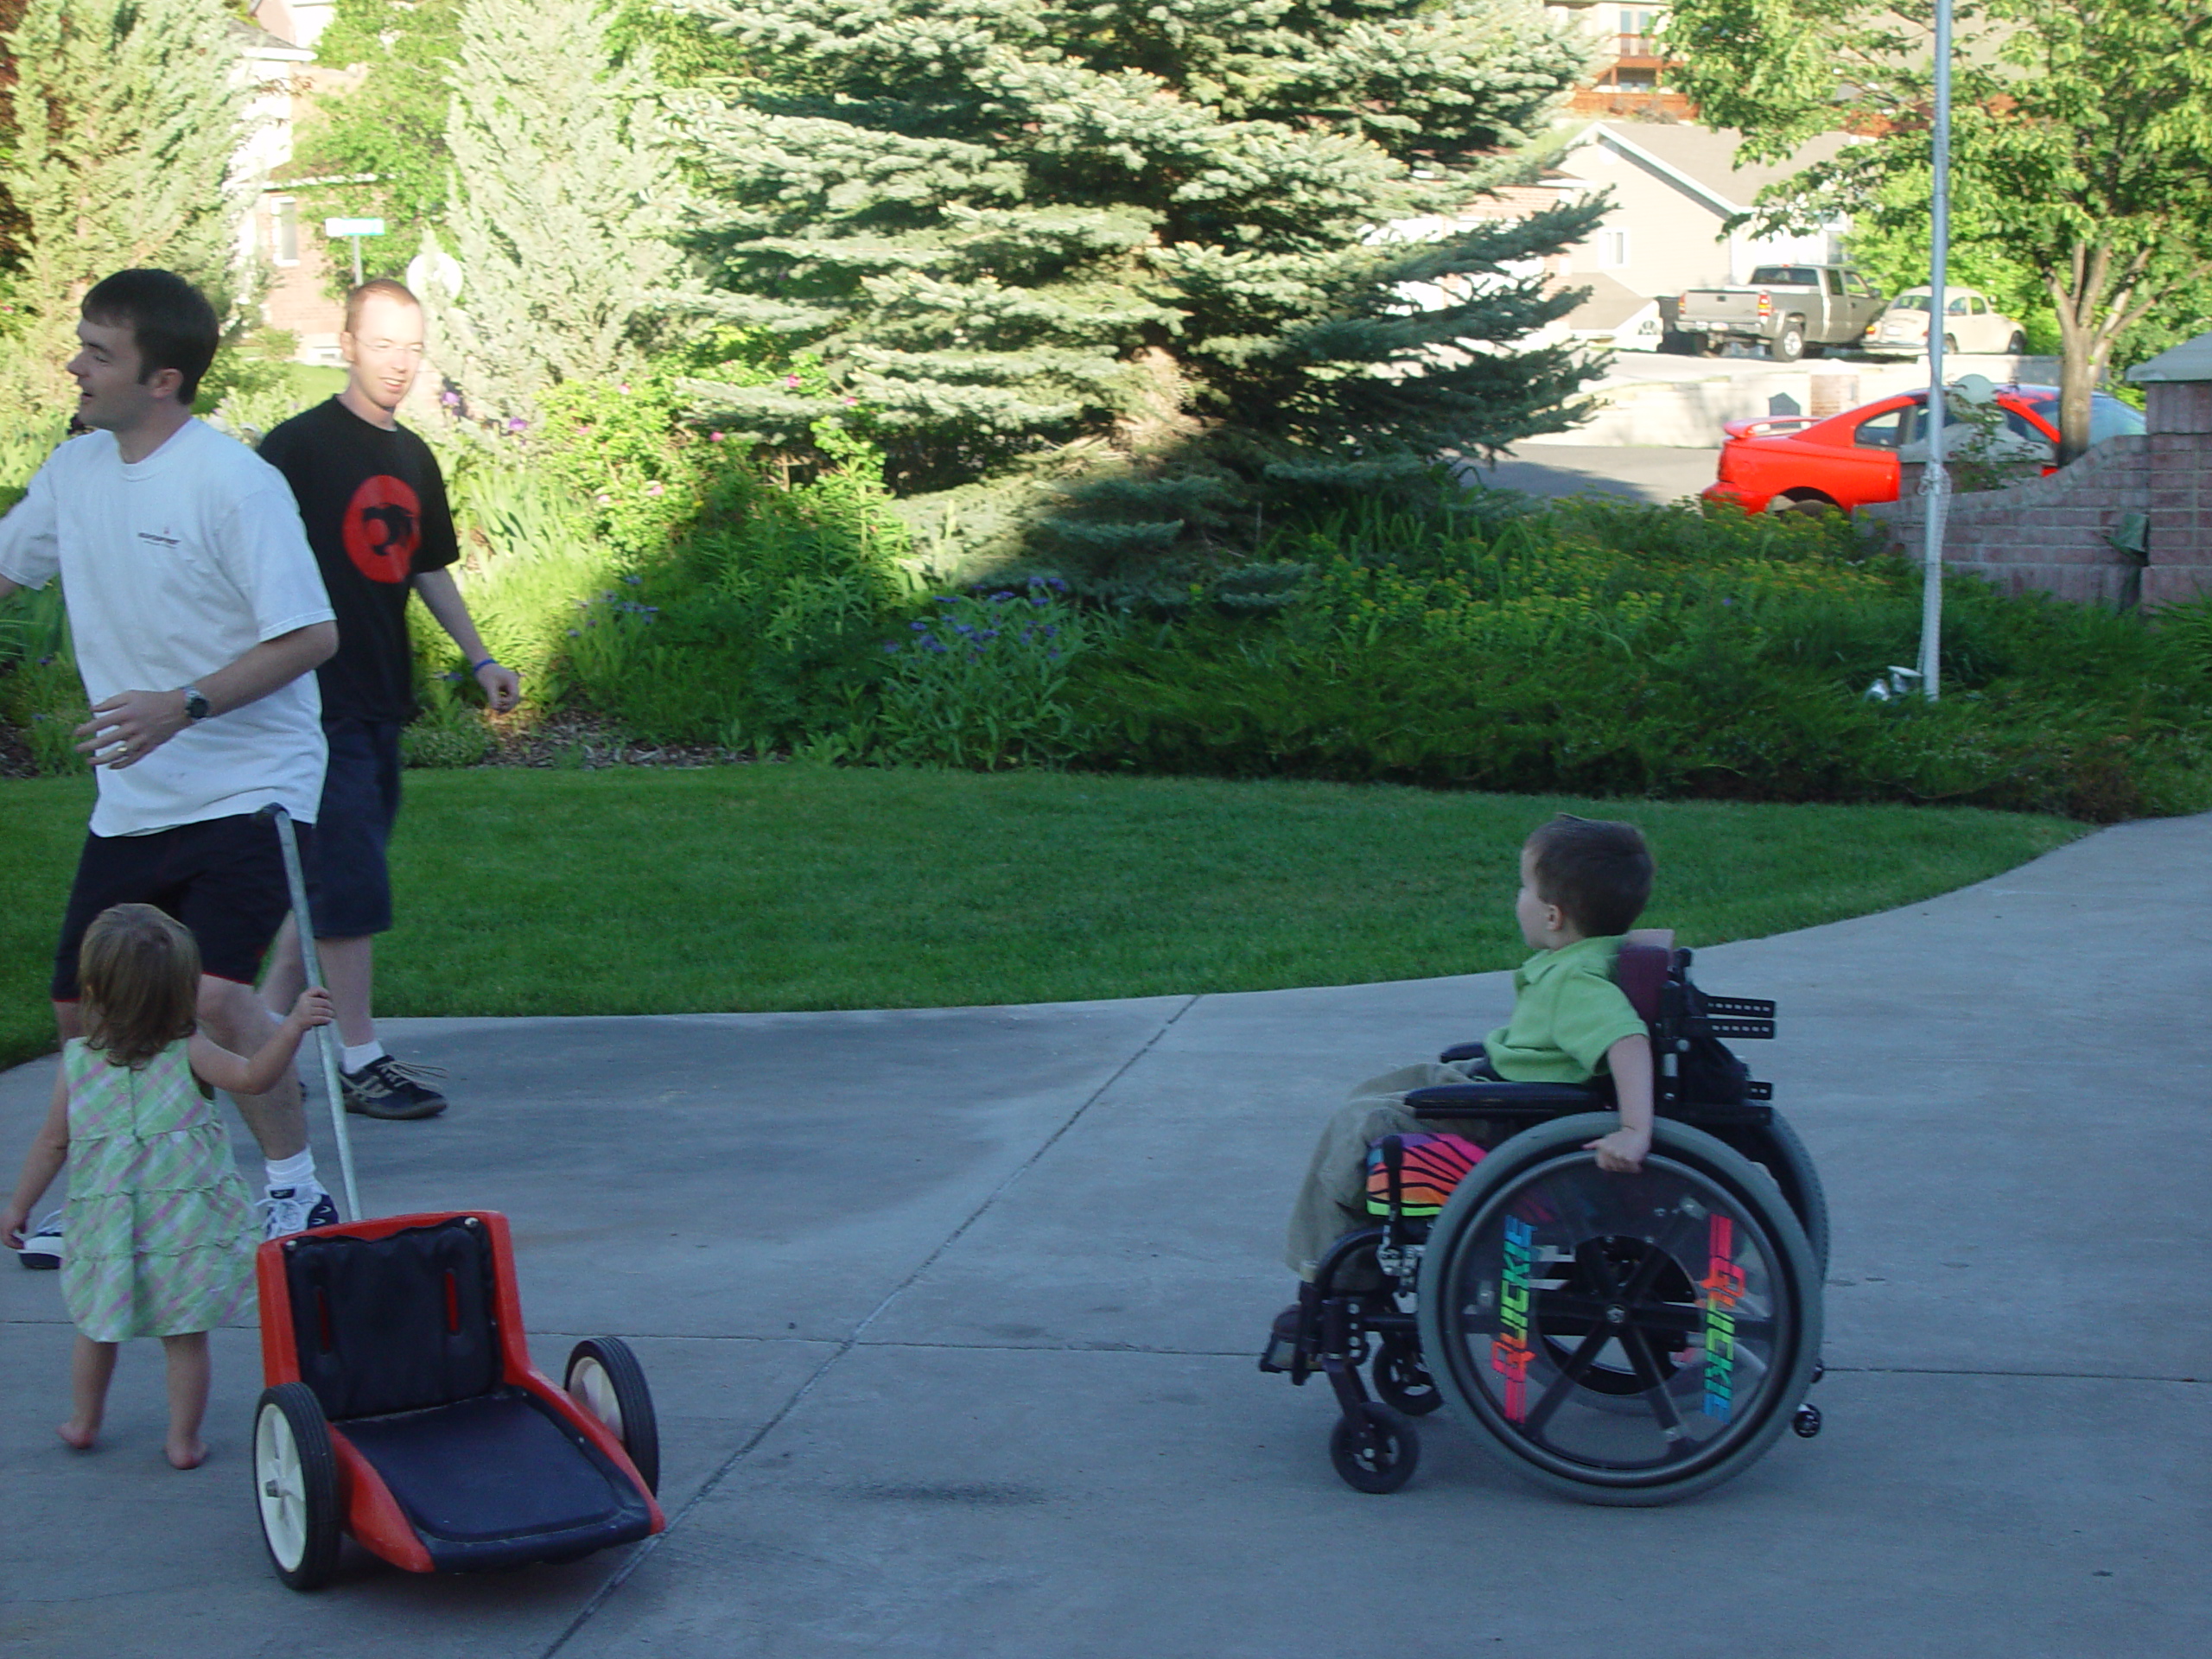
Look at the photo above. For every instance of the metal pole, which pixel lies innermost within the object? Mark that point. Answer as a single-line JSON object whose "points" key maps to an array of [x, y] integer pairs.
{"points": [[356, 260], [1935, 481], [312, 965]]}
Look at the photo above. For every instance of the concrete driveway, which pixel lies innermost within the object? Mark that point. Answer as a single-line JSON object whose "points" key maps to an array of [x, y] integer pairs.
{"points": [[950, 1317]]}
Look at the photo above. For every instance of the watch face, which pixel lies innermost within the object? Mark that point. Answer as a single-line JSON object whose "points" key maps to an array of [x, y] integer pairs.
{"points": [[195, 703]]}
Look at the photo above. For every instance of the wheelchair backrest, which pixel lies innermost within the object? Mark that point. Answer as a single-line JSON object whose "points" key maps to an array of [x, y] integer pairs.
{"points": [[394, 1324], [1640, 970]]}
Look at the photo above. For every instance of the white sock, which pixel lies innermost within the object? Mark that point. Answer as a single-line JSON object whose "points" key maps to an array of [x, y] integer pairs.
{"points": [[295, 1171], [354, 1056]]}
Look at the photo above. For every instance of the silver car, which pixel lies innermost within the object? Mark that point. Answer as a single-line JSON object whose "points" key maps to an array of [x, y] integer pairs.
{"points": [[1971, 323]]}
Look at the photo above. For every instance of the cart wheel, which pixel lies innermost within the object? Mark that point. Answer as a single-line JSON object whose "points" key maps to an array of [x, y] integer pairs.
{"points": [[296, 1483], [605, 1378], [1402, 1381], [1374, 1449]]}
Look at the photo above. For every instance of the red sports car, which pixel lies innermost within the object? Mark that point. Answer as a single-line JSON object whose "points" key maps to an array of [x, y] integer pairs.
{"points": [[1849, 459]]}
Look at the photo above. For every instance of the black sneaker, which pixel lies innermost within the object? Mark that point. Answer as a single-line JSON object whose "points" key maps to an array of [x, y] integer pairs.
{"points": [[1280, 1355], [385, 1088]]}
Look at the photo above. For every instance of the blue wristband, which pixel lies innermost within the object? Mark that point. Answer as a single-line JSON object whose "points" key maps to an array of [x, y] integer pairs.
{"points": [[489, 662]]}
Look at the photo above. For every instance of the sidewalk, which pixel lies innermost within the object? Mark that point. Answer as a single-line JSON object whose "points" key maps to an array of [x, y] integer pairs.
{"points": [[950, 1314]]}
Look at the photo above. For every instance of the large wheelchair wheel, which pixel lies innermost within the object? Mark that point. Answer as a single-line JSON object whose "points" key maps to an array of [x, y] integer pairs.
{"points": [[1620, 1340], [1775, 1147]]}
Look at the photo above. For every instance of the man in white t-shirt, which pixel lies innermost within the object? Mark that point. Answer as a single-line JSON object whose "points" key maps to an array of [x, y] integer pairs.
{"points": [[198, 616]]}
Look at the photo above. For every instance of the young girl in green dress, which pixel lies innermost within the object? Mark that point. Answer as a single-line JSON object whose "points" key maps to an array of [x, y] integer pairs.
{"points": [[160, 1231]]}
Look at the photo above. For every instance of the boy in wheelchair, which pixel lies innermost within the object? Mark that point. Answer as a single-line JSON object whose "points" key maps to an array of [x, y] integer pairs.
{"points": [[1584, 882]]}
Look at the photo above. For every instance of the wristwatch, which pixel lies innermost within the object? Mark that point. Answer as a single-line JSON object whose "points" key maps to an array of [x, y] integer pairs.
{"points": [[196, 706]]}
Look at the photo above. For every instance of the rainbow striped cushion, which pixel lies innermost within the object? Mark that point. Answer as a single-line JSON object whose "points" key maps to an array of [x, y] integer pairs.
{"points": [[1432, 1165]]}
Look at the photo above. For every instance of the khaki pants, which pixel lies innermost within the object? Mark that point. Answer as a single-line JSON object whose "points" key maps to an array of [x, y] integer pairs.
{"points": [[1333, 1198]]}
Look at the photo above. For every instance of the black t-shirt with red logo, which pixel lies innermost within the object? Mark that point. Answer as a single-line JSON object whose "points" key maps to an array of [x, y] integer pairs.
{"points": [[374, 504]]}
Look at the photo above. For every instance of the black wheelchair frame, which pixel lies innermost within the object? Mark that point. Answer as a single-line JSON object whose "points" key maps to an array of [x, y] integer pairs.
{"points": [[1617, 1339]]}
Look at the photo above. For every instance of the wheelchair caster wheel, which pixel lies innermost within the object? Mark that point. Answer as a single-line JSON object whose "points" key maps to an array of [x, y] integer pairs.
{"points": [[1374, 1448], [1805, 1422], [1402, 1381]]}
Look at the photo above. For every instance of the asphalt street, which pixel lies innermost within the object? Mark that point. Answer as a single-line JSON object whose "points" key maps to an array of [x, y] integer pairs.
{"points": [[1635, 471], [951, 1316]]}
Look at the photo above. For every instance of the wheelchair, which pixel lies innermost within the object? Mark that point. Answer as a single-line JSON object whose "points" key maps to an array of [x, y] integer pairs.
{"points": [[1617, 1339], [401, 1406]]}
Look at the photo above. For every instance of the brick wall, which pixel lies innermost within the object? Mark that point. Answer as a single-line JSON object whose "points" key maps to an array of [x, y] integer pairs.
{"points": [[2180, 493], [2054, 532]]}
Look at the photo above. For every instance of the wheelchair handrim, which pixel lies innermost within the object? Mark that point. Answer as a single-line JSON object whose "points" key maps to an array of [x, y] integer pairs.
{"points": [[1499, 1360]]}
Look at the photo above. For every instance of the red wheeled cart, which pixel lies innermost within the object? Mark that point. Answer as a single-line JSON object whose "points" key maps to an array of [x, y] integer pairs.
{"points": [[401, 1406]]}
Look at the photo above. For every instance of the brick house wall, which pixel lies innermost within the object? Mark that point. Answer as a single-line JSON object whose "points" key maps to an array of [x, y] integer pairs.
{"points": [[2056, 533]]}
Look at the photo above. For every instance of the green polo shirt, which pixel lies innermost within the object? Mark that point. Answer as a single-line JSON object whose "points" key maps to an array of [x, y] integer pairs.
{"points": [[1567, 1013]]}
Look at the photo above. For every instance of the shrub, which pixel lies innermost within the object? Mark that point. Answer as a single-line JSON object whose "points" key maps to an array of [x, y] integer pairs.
{"points": [[1607, 648], [758, 627], [981, 682]]}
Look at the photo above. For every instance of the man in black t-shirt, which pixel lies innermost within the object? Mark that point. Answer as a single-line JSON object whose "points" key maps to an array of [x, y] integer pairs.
{"points": [[374, 504]]}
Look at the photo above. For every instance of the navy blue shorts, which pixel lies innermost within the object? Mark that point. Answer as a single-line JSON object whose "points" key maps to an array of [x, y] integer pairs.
{"points": [[223, 878], [349, 890]]}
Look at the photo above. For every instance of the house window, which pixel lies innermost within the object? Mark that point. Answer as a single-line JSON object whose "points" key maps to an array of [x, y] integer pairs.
{"points": [[1612, 250], [284, 230]]}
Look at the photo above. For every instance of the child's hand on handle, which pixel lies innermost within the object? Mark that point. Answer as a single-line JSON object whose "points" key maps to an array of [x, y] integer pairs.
{"points": [[1622, 1152], [314, 1008]]}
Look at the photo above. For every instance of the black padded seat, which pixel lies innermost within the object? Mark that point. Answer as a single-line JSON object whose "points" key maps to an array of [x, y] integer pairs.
{"points": [[497, 1481]]}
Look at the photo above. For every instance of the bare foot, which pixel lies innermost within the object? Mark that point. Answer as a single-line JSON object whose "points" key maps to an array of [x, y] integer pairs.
{"points": [[187, 1454], [77, 1437]]}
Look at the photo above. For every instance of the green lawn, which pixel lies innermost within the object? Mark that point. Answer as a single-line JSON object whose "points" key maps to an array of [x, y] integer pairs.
{"points": [[786, 886]]}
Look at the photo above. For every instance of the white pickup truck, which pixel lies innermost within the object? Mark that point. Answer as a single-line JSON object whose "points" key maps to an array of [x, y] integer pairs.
{"points": [[1791, 309]]}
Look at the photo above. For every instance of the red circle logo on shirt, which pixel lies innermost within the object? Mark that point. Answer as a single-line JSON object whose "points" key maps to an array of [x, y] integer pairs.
{"points": [[382, 528]]}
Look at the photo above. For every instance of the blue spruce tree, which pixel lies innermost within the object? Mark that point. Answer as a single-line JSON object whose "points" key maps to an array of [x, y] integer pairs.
{"points": [[1112, 280]]}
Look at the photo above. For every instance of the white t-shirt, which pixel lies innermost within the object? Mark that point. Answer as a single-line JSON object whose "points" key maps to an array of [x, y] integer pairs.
{"points": [[172, 569]]}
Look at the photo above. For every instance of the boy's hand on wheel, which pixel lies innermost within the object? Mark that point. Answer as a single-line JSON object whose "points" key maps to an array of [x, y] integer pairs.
{"points": [[1622, 1152]]}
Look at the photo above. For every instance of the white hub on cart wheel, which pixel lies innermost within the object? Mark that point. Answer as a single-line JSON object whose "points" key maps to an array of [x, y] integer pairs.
{"points": [[590, 1387], [281, 1487]]}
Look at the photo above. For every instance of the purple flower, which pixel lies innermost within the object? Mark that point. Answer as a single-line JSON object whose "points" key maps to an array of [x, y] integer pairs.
{"points": [[791, 381], [714, 437], [517, 425], [654, 488], [920, 627], [450, 399]]}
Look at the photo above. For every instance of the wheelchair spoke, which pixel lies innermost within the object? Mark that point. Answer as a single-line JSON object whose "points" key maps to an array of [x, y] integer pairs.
{"points": [[1655, 1393], [1571, 1372]]}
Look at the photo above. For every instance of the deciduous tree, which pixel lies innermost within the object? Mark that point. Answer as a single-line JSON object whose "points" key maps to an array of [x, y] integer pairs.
{"points": [[2081, 137]]}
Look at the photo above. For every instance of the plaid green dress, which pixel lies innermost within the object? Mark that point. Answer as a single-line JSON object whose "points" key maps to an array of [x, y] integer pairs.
{"points": [[159, 1235]]}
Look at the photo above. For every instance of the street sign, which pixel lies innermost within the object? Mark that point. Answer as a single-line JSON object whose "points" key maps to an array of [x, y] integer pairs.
{"points": [[353, 228]]}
